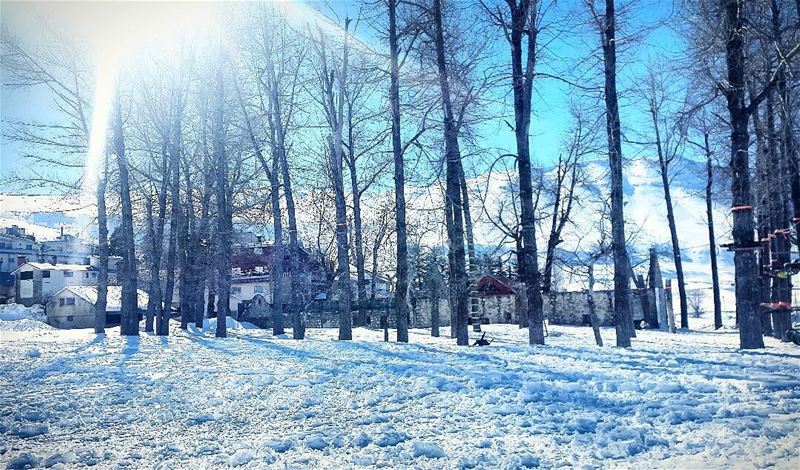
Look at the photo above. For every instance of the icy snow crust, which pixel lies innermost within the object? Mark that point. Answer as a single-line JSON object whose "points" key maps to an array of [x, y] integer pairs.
{"points": [[690, 400]]}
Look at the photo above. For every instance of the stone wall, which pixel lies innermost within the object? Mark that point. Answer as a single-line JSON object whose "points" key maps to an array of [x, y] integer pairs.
{"points": [[560, 308]]}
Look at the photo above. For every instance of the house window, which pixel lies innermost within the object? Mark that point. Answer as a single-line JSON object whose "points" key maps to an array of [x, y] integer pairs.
{"points": [[25, 275], [236, 290], [61, 302], [68, 273], [86, 261], [260, 289], [70, 301], [45, 274], [29, 247], [70, 317], [86, 275]]}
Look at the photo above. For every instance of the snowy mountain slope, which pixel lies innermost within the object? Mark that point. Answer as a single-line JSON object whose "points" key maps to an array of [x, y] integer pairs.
{"points": [[45, 215], [645, 216]]}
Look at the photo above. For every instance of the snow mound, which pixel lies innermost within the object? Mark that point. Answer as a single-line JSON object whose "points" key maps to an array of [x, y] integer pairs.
{"points": [[15, 317], [14, 312], [210, 325]]}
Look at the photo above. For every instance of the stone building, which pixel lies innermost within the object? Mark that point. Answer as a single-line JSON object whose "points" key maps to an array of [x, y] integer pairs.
{"points": [[497, 304]]}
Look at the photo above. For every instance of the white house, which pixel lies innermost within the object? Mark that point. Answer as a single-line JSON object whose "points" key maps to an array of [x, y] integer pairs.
{"points": [[245, 288], [74, 306], [16, 246], [66, 249], [37, 282]]}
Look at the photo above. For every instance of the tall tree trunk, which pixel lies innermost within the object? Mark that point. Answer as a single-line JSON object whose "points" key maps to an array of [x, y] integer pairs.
{"points": [[154, 302], [361, 282], [102, 251], [746, 272], [452, 300], [186, 256], [522, 296], [782, 164], [298, 327], [223, 205], [712, 240], [278, 254], [162, 320], [598, 339], [764, 224], [524, 18], [780, 224], [435, 282], [280, 173], [335, 109], [129, 310], [401, 292], [622, 308], [203, 279], [455, 228], [663, 164]]}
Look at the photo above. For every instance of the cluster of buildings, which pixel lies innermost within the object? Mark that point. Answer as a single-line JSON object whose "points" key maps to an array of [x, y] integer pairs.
{"points": [[61, 274], [251, 282]]}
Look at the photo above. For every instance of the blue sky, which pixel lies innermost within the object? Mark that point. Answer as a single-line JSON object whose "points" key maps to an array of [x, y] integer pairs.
{"points": [[551, 102]]}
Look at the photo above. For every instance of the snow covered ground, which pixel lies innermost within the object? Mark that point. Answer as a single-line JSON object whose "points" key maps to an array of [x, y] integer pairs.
{"points": [[689, 400]]}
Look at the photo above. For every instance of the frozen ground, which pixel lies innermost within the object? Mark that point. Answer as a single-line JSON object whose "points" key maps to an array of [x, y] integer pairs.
{"points": [[691, 400]]}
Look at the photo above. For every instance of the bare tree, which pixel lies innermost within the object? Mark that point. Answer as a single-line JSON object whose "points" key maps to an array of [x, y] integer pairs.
{"points": [[607, 28], [333, 80], [224, 224], [521, 30], [733, 88], [129, 310], [454, 210], [668, 144], [700, 121]]}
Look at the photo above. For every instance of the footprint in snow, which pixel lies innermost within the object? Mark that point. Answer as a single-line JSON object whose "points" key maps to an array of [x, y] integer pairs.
{"points": [[241, 457], [316, 442], [427, 449], [30, 430]]}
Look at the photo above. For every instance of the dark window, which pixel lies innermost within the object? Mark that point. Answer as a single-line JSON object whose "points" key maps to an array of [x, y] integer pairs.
{"points": [[86, 261], [45, 274], [70, 301], [69, 318], [29, 247], [25, 275], [61, 302], [68, 273]]}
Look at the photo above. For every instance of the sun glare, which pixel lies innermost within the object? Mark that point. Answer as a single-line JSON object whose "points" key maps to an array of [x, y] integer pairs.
{"points": [[101, 111]]}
